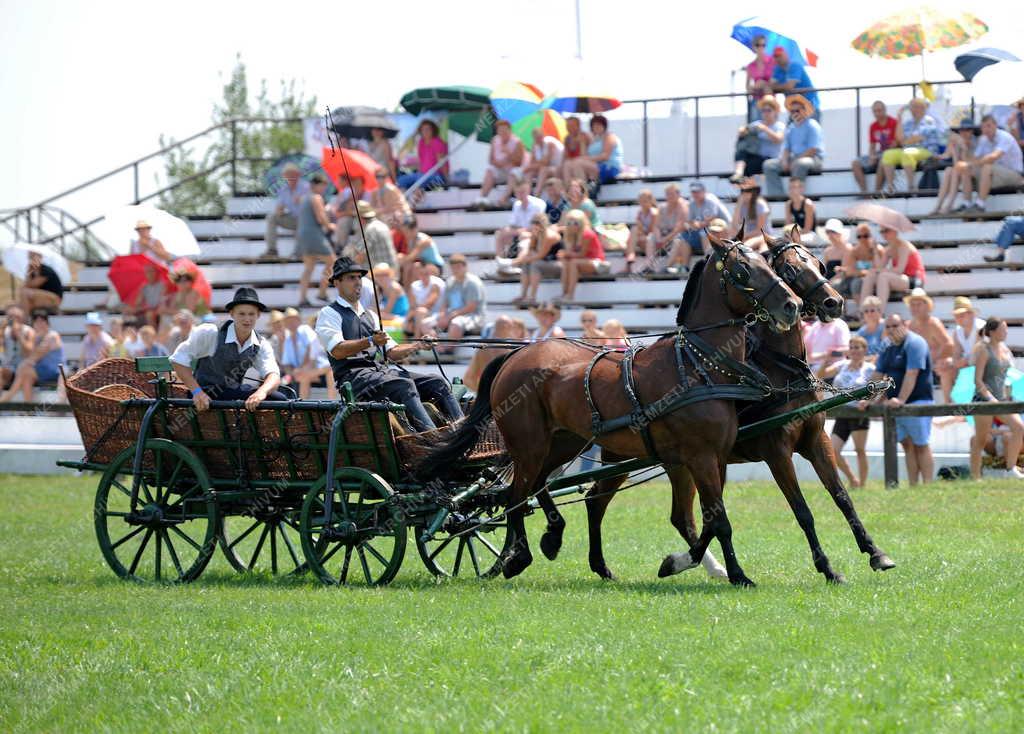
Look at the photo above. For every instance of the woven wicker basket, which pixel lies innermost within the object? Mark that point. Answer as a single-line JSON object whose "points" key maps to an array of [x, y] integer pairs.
{"points": [[415, 447]]}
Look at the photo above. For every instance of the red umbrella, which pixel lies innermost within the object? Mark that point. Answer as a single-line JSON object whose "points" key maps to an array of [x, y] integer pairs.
{"points": [[360, 165], [128, 274], [199, 281]]}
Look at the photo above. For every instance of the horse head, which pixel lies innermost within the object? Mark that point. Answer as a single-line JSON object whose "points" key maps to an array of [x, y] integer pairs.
{"points": [[805, 275]]}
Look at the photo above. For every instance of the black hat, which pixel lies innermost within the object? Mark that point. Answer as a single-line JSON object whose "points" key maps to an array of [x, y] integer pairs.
{"points": [[968, 124], [345, 265], [245, 294]]}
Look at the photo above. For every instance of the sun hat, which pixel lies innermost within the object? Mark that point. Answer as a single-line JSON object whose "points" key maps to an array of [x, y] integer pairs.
{"points": [[802, 101], [142, 224], [768, 100], [962, 304], [276, 316], [365, 210], [835, 225], [547, 307], [245, 295], [918, 294], [93, 319], [291, 311], [717, 225]]}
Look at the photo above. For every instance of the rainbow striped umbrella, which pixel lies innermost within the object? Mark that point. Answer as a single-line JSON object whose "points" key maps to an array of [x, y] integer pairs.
{"points": [[513, 101], [916, 31], [550, 122], [591, 103]]}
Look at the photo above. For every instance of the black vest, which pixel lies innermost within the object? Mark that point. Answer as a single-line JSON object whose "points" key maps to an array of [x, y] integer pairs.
{"points": [[227, 366], [352, 327]]}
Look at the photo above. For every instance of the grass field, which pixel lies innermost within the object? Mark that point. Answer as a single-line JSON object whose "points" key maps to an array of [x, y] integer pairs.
{"points": [[933, 645]]}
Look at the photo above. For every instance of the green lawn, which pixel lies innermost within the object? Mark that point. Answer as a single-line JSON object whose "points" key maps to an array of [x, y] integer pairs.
{"points": [[933, 645]]}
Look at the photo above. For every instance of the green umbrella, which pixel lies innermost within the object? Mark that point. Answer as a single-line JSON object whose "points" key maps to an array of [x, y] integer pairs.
{"points": [[464, 105]]}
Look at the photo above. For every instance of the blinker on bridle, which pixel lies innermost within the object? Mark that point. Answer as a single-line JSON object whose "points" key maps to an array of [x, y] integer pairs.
{"points": [[740, 279]]}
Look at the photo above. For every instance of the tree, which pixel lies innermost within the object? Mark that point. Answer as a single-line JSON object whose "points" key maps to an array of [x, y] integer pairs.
{"points": [[253, 145]]}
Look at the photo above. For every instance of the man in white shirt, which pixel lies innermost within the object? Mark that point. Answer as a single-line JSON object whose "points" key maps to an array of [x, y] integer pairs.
{"points": [[997, 163], [213, 361], [524, 209], [352, 337]]}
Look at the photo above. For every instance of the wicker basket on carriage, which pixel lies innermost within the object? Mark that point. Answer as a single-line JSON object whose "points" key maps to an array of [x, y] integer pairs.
{"points": [[413, 448]]}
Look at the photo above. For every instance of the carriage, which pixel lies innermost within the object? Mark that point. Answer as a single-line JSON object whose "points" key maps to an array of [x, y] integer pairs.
{"points": [[327, 487]]}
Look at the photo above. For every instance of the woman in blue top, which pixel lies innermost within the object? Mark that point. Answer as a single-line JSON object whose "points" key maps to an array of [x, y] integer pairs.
{"points": [[394, 304], [872, 330], [603, 159], [42, 365], [758, 141]]}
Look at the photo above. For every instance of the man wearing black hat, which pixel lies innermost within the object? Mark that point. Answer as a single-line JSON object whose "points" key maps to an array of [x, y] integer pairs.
{"points": [[213, 361], [352, 337]]}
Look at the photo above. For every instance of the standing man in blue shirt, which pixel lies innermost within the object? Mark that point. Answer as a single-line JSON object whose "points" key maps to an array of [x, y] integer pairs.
{"points": [[908, 362], [286, 207], [803, 147], [791, 77]]}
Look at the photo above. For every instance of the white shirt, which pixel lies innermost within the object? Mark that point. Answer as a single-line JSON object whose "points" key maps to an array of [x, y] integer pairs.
{"points": [[1012, 156], [202, 342], [966, 341], [521, 215], [328, 327], [366, 294], [420, 292]]}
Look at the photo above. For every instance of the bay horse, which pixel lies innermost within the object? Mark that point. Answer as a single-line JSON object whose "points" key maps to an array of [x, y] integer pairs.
{"points": [[673, 400], [782, 357]]}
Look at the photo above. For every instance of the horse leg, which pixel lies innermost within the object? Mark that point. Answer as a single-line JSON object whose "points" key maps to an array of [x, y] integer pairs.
{"points": [[598, 498], [821, 456], [784, 474], [683, 493], [551, 540], [518, 556]]}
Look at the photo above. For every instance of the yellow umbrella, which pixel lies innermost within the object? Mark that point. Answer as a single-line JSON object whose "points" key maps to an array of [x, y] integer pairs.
{"points": [[917, 31]]}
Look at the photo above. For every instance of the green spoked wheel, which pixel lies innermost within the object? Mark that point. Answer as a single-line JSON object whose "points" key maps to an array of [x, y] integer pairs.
{"points": [[170, 535], [265, 541], [364, 542], [471, 544]]}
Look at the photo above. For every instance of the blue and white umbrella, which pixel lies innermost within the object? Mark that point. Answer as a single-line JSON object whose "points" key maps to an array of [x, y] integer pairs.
{"points": [[970, 63], [747, 30]]}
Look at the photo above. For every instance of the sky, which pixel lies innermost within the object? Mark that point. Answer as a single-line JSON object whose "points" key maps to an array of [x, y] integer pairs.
{"points": [[88, 87]]}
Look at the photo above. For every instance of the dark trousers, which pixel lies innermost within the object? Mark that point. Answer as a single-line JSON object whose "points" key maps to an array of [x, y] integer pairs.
{"points": [[406, 388], [238, 393]]}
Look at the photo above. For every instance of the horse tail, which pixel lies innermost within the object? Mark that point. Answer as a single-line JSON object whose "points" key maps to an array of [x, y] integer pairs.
{"points": [[455, 446]]}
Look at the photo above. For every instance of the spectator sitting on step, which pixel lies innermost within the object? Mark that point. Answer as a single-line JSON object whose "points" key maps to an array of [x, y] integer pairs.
{"points": [[381, 151], [379, 241], [394, 304], [1016, 122], [849, 374], [1013, 227], [186, 296], [803, 147], [540, 260], [615, 335], [704, 209], [147, 245], [940, 344], [575, 144], [673, 219], [389, 202], [545, 159], [857, 263], [872, 330], [462, 310], [992, 359], [505, 164], [750, 216], [426, 294], [286, 207], [641, 234], [295, 351], [505, 327], [758, 141], [759, 78], [998, 163], [592, 333], [959, 148], [40, 362], [907, 362], [555, 201], [430, 149], [524, 208], [342, 211], [547, 316], [581, 254], [96, 343], [17, 341], [881, 137], [182, 329], [581, 201], [118, 346], [920, 137], [41, 288], [900, 269], [800, 210], [838, 247], [790, 76], [603, 160], [311, 238], [150, 346], [417, 245], [149, 299], [826, 343], [967, 325]]}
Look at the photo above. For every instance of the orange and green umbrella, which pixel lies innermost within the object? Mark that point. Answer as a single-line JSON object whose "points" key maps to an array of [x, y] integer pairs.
{"points": [[550, 122], [916, 31]]}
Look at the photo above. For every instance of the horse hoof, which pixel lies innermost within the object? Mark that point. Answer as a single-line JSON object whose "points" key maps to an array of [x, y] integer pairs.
{"points": [[715, 570], [881, 562], [516, 564], [835, 578], [676, 563], [550, 544], [743, 581], [602, 570]]}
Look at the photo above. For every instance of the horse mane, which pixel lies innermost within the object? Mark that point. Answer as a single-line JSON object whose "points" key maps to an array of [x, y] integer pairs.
{"points": [[690, 292]]}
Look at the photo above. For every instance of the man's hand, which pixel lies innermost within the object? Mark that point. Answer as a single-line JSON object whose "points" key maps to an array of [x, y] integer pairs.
{"points": [[894, 402], [379, 339], [201, 401], [443, 321], [253, 401]]}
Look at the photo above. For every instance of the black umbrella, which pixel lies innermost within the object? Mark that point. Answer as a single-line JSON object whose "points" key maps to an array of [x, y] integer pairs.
{"points": [[356, 122]]}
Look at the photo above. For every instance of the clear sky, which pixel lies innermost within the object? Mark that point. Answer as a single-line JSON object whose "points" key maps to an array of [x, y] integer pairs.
{"points": [[86, 87]]}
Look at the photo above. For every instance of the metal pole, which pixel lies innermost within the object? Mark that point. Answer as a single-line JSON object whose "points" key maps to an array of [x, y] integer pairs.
{"points": [[972, 109], [234, 159], [645, 134], [579, 33], [696, 135], [892, 472], [856, 114], [135, 175]]}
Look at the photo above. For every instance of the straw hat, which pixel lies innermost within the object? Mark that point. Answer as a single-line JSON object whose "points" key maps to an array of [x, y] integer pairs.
{"points": [[918, 294], [717, 226], [365, 210], [802, 101], [962, 304], [276, 316], [142, 224], [290, 311], [768, 100]]}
